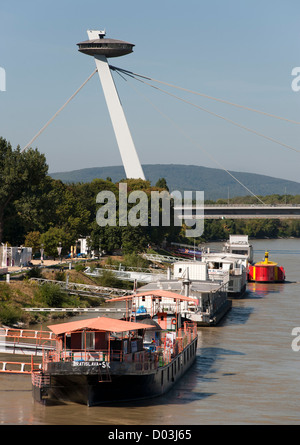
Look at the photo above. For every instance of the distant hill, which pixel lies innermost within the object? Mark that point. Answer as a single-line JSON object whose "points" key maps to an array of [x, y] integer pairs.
{"points": [[214, 182]]}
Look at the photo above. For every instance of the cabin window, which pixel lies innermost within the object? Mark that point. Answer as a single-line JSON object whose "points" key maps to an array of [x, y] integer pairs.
{"points": [[68, 341], [88, 340]]}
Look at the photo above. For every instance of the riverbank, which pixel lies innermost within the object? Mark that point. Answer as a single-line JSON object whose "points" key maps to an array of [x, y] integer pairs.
{"points": [[246, 371]]}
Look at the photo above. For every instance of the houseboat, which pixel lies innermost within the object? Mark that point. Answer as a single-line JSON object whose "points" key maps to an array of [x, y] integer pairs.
{"points": [[204, 303], [266, 272], [239, 245], [230, 268], [102, 360]]}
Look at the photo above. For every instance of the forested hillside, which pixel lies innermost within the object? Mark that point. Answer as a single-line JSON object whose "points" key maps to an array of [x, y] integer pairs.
{"points": [[214, 182]]}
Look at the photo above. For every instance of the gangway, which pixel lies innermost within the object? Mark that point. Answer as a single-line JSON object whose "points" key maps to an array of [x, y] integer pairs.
{"points": [[85, 289], [75, 309], [163, 258], [129, 275]]}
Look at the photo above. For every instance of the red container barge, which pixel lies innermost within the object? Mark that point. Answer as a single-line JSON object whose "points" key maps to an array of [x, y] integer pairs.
{"points": [[266, 272]]}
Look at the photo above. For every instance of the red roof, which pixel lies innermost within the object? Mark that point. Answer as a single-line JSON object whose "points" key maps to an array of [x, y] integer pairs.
{"points": [[156, 293], [98, 324]]}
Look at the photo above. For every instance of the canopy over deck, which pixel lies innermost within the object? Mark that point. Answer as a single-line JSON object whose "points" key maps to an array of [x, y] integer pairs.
{"points": [[156, 293], [98, 324]]}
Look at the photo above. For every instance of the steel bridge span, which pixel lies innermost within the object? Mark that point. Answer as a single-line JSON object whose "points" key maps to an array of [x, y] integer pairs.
{"points": [[238, 211]]}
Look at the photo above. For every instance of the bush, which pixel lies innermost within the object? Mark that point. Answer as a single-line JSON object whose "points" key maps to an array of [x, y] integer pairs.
{"points": [[79, 267], [60, 276], [134, 260], [34, 272], [10, 315], [5, 293], [108, 279], [51, 295]]}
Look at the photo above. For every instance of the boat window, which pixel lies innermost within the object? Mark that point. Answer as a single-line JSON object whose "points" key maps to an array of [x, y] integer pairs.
{"points": [[88, 340], [68, 341]]}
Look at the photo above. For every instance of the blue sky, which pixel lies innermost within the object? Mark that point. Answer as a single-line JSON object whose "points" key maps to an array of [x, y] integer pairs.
{"points": [[241, 51]]}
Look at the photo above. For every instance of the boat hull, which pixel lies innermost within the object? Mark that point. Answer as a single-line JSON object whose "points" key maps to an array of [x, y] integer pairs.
{"points": [[213, 319], [94, 387]]}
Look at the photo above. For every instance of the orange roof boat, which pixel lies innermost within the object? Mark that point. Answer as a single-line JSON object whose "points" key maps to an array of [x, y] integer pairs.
{"points": [[100, 360]]}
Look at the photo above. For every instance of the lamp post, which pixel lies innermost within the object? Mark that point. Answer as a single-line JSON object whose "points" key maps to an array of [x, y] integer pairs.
{"points": [[59, 250], [42, 253]]}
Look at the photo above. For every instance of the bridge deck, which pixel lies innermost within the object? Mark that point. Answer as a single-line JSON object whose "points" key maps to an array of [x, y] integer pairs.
{"points": [[241, 211]]}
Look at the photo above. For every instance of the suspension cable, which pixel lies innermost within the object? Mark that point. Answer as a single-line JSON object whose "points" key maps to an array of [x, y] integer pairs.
{"points": [[206, 96], [188, 137], [57, 113], [216, 115]]}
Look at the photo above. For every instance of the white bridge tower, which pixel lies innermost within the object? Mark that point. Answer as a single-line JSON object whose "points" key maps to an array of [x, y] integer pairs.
{"points": [[101, 48]]}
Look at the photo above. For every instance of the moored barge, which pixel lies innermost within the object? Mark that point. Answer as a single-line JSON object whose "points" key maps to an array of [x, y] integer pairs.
{"points": [[103, 360]]}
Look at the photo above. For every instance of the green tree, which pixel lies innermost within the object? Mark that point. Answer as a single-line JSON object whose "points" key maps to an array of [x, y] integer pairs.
{"points": [[33, 239], [19, 171], [52, 238], [162, 183]]}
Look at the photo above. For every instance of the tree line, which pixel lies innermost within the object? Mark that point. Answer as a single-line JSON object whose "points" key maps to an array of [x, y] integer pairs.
{"points": [[36, 209]]}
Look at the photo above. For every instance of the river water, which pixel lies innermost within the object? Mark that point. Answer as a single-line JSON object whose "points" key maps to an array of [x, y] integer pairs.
{"points": [[246, 371]]}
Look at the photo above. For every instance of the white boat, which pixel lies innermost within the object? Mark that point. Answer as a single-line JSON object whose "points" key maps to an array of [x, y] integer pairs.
{"points": [[221, 267], [239, 244], [229, 267]]}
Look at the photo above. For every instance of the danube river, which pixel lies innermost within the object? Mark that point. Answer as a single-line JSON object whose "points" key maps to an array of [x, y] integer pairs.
{"points": [[246, 371]]}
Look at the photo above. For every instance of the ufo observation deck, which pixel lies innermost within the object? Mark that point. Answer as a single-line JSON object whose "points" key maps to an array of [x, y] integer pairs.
{"points": [[105, 47]]}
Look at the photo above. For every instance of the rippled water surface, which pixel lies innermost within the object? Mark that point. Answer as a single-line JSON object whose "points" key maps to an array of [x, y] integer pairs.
{"points": [[246, 371]]}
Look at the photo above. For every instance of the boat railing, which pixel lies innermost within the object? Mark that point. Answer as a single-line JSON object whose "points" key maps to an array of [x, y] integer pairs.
{"points": [[150, 358], [81, 355], [39, 337], [39, 379]]}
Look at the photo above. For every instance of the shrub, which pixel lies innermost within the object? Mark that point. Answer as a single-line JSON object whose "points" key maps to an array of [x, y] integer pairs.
{"points": [[60, 276], [34, 272], [79, 267], [51, 295], [10, 315], [108, 279]]}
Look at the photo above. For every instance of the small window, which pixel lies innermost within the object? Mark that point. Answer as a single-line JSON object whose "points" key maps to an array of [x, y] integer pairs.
{"points": [[88, 340]]}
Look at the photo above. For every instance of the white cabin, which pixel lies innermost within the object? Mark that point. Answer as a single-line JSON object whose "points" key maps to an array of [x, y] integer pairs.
{"points": [[239, 244]]}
